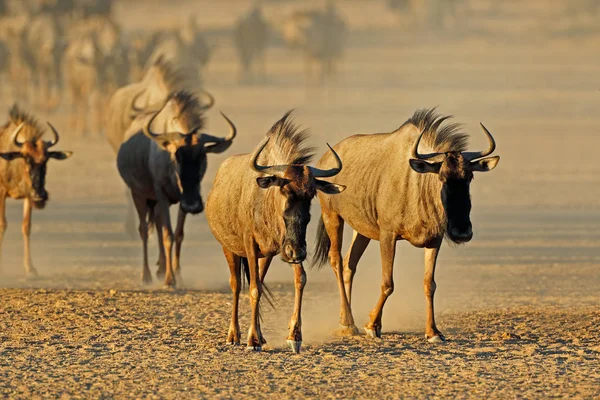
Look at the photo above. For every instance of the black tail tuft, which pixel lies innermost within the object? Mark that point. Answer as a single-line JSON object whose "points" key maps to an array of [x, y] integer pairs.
{"points": [[267, 294], [322, 246]]}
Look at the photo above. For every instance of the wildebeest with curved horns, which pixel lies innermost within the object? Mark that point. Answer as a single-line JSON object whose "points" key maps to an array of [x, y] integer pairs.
{"points": [[161, 79], [166, 168], [397, 191], [23, 169], [258, 207]]}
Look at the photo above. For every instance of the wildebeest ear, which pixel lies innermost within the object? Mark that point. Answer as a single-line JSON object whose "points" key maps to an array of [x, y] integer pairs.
{"points": [[329, 188], [485, 164], [60, 155], [268, 181], [424, 167], [11, 155], [218, 147]]}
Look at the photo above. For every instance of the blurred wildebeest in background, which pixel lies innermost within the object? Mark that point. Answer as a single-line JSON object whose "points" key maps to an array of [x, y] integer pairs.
{"points": [[397, 193], [166, 168], [251, 36], [185, 46], [23, 169], [95, 63], [258, 207], [320, 35]]}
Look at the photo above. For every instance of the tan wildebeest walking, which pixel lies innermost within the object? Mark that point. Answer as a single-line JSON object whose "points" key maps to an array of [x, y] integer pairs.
{"points": [[23, 169], [166, 168], [395, 192], [258, 207]]}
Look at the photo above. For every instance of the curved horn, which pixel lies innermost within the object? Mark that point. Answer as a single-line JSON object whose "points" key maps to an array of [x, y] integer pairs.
{"points": [[167, 136], [206, 138], [270, 169], [55, 134], [470, 156], [211, 100], [321, 173], [15, 135], [135, 108], [415, 150]]}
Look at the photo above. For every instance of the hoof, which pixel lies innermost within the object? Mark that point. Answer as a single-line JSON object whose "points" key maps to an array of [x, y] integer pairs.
{"points": [[373, 333], [437, 339], [253, 348], [147, 279], [31, 274], [160, 273], [351, 330], [295, 345]]}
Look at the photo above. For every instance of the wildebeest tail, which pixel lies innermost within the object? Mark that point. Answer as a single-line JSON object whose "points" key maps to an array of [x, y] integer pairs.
{"points": [[267, 294], [322, 246]]}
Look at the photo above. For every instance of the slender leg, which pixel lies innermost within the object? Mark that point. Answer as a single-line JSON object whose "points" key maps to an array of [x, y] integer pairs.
{"points": [[179, 240], [162, 208], [235, 280], [2, 224], [334, 226], [26, 229], [254, 335], [387, 243], [162, 258], [431, 331], [142, 208], [295, 337], [355, 252]]}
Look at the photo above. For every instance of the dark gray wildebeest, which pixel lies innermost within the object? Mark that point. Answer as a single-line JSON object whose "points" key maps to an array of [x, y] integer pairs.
{"points": [[398, 190], [161, 79], [320, 35], [258, 207], [251, 35], [24, 156], [166, 168]]}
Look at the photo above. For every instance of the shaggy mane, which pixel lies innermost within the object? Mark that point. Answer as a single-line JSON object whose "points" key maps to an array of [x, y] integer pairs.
{"points": [[289, 144], [32, 129], [174, 77], [438, 138]]}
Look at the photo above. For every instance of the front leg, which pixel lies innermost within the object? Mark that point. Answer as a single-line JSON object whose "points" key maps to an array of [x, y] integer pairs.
{"points": [[179, 240], [26, 229], [162, 206], [294, 339], [254, 334], [432, 333]]}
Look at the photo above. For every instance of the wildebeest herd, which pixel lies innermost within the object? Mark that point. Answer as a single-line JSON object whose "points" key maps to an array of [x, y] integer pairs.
{"points": [[410, 184]]}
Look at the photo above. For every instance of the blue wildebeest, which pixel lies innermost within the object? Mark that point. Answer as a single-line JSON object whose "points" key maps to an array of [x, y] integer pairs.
{"points": [[397, 193], [320, 35], [161, 79], [166, 168], [23, 169], [251, 35], [258, 207]]}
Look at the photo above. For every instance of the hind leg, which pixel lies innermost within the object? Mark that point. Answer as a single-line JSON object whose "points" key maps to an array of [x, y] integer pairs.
{"points": [[235, 281], [355, 252], [263, 268], [162, 257], [294, 339], [334, 225], [179, 240]]}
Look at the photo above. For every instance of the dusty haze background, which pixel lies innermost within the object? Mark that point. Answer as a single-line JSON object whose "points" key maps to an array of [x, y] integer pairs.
{"points": [[518, 303]]}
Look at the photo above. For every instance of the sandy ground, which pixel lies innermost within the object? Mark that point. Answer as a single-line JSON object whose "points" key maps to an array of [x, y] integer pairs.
{"points": [[519, 304]]}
